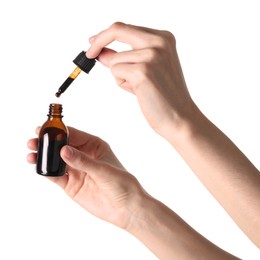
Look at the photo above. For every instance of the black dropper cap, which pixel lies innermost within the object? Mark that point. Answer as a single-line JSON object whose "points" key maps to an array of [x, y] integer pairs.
{"points": [[83, 64]]}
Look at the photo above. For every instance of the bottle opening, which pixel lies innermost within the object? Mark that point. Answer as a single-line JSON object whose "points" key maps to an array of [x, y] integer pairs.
{"points": [[55, 109]]}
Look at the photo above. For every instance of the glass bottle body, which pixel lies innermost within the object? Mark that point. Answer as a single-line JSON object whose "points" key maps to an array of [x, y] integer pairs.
{"points": [[52, 137]]}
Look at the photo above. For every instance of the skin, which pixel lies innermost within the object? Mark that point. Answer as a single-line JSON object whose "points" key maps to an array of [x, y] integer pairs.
{"points": [[98, 182]]}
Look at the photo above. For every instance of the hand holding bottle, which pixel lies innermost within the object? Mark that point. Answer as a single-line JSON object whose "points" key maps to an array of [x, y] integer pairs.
{"points": [[95, 178], [98, 182]]}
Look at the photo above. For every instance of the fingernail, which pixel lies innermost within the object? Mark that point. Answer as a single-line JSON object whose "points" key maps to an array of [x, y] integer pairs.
{"points": [[88, 54]]}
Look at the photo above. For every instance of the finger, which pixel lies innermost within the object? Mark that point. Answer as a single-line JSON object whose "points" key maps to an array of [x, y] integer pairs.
{"points": [[135, 36], [61, 181], [79, 161], [31, 158], [37, 130], [105, 56], [145, 29], [32, 144], [109, 57], [128, 76], [78, 137], [150, 30]]}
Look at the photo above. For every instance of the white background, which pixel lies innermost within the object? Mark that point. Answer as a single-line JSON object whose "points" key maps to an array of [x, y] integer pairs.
{"points": [[218, 44]]}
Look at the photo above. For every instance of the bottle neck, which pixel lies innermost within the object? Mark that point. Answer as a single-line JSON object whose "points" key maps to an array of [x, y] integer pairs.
{"points": [[55, 110]]}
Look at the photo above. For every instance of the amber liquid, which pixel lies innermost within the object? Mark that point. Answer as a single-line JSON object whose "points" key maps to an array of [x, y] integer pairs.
{"points": [[49, 161]]}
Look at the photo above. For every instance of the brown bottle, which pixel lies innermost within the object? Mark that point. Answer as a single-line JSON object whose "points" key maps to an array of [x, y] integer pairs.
{"points": [[53, 135]]}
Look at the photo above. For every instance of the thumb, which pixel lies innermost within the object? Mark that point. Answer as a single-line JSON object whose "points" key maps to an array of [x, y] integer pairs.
{"points": [[78, 160], [105, 56]]}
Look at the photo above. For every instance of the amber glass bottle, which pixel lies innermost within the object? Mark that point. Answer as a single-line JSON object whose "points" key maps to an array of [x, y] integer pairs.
{"points": [[53, 135]]}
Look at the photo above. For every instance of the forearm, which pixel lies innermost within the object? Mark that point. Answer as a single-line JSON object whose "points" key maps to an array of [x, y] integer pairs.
{"points": [[168, 236], [223, 169]]}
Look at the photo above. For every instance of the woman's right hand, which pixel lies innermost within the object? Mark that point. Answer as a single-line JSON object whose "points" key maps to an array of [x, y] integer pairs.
{"points": [[151, 70]]}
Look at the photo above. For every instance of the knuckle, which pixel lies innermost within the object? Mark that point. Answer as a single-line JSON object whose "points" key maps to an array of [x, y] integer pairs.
{"points": [[151, 55], [141, 75], [117, 25], [164, 39], [169, 36]]}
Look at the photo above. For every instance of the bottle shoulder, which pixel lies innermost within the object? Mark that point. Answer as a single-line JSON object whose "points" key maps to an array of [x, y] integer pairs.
{"points": [[54, 123]]}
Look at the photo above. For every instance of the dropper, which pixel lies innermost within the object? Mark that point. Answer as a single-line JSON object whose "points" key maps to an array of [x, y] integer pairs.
{"points": [[83, 64]]}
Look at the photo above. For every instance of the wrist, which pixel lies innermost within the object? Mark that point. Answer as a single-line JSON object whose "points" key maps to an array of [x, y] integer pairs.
{"points": [[165, 234], [154, 220], [182, 125], [140, 214], [162, 231]]}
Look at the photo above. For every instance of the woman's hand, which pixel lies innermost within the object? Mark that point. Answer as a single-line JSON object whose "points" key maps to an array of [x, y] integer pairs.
{"points": [[151, 70], [95, 178], [97, 181]]}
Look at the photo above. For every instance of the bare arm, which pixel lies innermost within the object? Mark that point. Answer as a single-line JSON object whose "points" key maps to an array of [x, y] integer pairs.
{"points": [[169, 237], [153, 73], [98, 182], [226, 172]]}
